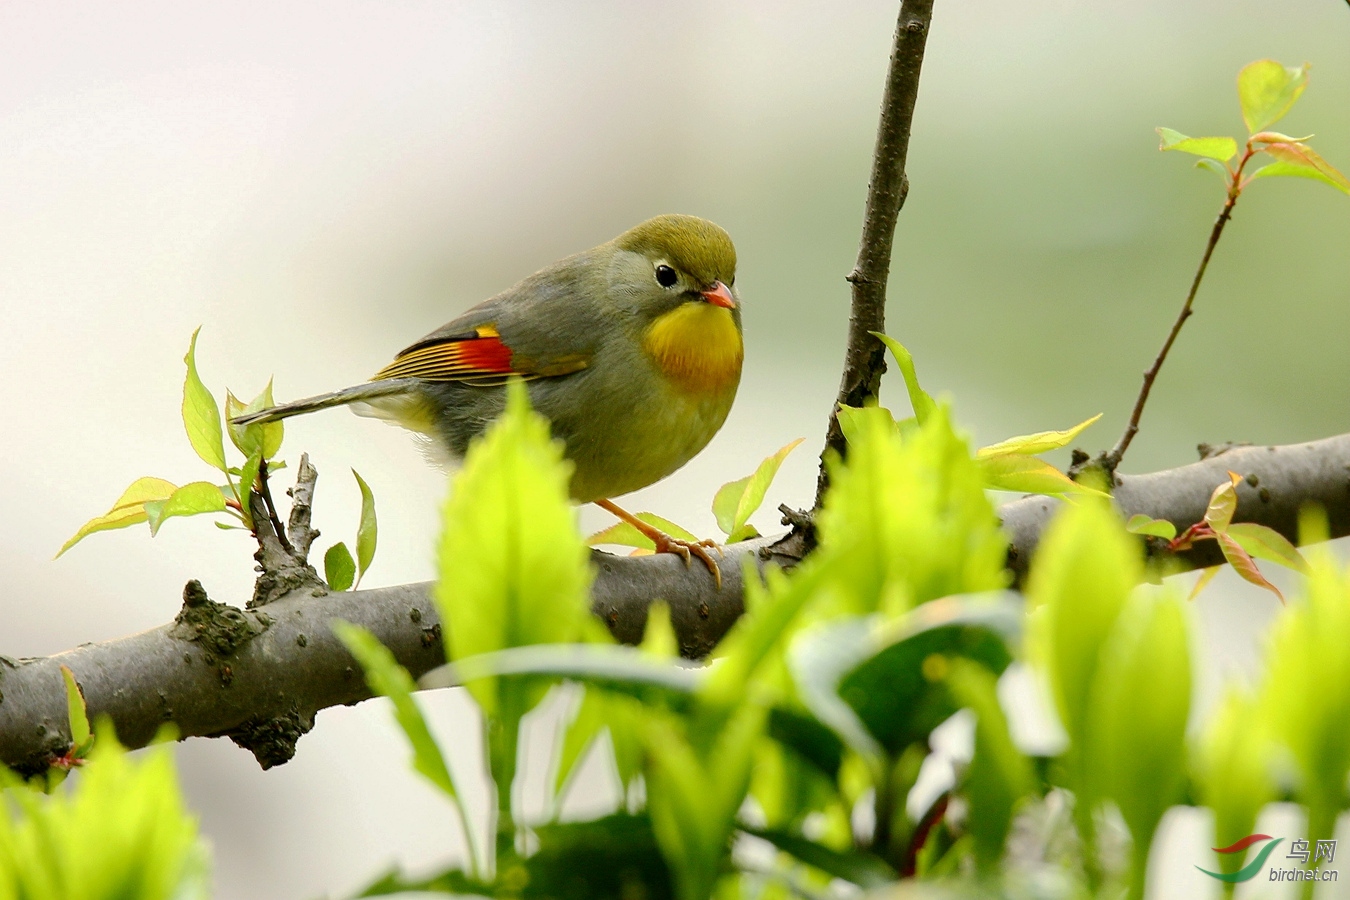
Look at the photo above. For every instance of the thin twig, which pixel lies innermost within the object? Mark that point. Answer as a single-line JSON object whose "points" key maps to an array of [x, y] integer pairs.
{"points": [[272, 508], [1112, 459], [864, 360]]}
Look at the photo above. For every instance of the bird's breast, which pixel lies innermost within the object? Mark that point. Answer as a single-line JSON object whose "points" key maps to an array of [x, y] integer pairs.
{"points": [[697, 346]]}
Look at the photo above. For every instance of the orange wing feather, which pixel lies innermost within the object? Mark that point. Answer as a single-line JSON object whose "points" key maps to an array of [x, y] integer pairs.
{"points": [[477, 357]]}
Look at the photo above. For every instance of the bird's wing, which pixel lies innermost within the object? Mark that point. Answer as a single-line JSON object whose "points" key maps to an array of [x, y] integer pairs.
{"points": [[479, 356], [540, 328]]}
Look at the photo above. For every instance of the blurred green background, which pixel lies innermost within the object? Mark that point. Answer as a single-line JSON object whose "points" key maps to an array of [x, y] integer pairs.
{"points": [[318, 184]]}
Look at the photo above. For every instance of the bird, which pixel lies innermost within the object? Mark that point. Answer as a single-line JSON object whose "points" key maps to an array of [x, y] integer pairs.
{"points": [[632, 350]]}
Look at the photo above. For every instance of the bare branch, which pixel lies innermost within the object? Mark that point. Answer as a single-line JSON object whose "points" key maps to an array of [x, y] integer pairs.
{"points": [[864, 359], [283, 565], [1112, 459]]}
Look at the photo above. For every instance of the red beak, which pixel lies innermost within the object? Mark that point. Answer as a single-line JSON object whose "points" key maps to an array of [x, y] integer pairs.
{"points": [[719, 295]]}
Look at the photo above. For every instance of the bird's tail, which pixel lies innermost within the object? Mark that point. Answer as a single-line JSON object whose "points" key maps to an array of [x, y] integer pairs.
{"points": [[373, 390]]}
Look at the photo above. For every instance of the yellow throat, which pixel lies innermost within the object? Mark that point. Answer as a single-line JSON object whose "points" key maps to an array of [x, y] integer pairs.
{"points": [[697, 346]]}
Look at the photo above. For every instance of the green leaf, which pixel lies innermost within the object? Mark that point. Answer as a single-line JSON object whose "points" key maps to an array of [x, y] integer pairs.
{"points": [[338, 567], [1206, 576], [860, 867], [75, 708], [1028, 475], [451, 881], [1301, 161], [128, 510], [818, 660], [1033, 444], [513, 569], [1233, 764], [1267, 90], [610, 858], [1084, 569], [1216, 167], [1243, 564], [854, 421], [918, 398], [1142, 524], [599, 711], [900, 691], [1288, 170], [810, 740], [189, 500], [1223, 504], [1220, 148], [1136, 743], [907, 520], [201, 416], [1267, 543], [620, 669], [248, 478], [658, 633], [578, 735], [694, 790], [771, 610], [1304, 701], [881, 691], [1275, 137], [999, 775], [119, 830], [626, 535], [367, 533], [736, 501], [389, 679], [249, 439]]}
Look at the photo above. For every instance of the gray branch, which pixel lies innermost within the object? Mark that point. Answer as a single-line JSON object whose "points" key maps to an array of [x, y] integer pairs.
{"points": [[260, 675], [864, 358]]}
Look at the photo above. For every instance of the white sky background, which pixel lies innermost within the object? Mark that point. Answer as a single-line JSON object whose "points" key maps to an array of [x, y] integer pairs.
{"points": [[317, 185]]}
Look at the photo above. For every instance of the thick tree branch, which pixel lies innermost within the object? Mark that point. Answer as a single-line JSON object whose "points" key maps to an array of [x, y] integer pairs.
{"points": [[260, 675], [864, 359]]}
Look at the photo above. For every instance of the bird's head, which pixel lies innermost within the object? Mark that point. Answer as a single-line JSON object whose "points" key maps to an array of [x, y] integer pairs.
{"points": [[671, 260], [675, 276]]}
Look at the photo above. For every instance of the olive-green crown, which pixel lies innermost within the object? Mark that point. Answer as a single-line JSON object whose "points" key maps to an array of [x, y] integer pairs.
{"points": [[690, 244]]}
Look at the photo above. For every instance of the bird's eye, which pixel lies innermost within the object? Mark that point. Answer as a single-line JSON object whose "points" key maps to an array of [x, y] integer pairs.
{"points": [[665, 276]]}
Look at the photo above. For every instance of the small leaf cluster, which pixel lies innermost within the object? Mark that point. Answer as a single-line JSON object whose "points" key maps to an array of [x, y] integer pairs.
{"points": [[733, 505], [1008, 465], [155, 500], [1242, 543], [1117, 662], [1267, 90], [117, 829], [341, 571]]}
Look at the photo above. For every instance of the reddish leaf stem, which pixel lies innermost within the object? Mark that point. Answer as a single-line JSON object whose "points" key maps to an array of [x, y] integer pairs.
{"points": [[1235, 185]]}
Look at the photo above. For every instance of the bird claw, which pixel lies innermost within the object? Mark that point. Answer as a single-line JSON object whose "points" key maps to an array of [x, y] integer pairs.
{"points": [[665, 543], [687, 550]]}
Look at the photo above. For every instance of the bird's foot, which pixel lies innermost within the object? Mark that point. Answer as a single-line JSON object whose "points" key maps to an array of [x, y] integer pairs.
{"points": [[687, 549], [665, 543]]}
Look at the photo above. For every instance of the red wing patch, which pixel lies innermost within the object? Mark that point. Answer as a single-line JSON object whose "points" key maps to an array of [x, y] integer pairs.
{"points": [[476, 357]]}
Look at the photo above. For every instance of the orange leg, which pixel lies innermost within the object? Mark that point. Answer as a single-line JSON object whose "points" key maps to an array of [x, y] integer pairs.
{"points": [[667, 544]]}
